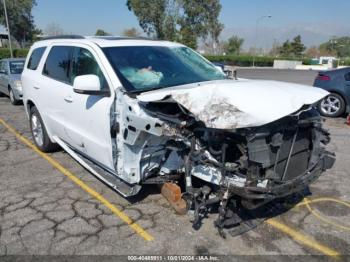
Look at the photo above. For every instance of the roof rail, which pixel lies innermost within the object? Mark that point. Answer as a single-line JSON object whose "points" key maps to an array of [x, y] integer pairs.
{"points": [[63, 37], [122, 38]]}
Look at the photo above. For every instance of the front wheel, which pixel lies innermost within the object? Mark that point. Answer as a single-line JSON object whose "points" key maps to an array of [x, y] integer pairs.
{"points": [[13, 99], [332, 106], [39, 133]]}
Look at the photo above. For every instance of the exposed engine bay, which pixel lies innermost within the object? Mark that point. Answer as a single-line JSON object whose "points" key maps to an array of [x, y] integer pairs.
{"points": [[163, 141]]}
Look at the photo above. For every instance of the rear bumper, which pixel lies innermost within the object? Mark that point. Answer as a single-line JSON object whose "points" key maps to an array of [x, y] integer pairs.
{"points": [[282, 189]]}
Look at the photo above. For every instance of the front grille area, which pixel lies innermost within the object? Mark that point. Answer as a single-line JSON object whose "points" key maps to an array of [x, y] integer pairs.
{"points": [[292, 157]]}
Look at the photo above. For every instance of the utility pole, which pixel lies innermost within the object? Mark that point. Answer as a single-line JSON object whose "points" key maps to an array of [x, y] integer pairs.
{"points": [[256, 34], [8, 28]]}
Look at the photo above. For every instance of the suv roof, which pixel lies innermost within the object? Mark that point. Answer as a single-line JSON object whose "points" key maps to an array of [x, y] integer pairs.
{"points": [[106, 41]]}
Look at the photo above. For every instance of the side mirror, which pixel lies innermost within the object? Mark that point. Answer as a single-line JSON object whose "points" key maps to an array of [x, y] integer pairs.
{"points": [[89, 85]]}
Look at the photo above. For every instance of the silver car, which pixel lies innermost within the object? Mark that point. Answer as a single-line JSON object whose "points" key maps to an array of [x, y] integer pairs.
{"points": [[10, 78]]}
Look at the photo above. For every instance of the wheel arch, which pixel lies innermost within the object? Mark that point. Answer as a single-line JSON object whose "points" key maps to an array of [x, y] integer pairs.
{"points": [[29, 104]]}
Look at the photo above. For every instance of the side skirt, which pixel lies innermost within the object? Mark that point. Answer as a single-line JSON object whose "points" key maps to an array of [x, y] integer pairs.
{"points": [[108, 178]]}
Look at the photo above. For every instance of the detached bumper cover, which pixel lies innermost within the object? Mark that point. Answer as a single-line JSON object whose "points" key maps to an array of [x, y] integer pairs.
{"points": [[281, 189]]}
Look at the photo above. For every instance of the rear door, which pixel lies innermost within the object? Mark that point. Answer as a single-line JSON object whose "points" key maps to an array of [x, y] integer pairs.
{"points": [[54, 89]]}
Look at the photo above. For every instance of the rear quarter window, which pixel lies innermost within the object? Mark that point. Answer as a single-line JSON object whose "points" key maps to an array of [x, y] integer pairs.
{"points": [[35, 58]]}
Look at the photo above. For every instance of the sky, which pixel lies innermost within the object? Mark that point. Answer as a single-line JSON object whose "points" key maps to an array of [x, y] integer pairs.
{"points": [[315, 20]]}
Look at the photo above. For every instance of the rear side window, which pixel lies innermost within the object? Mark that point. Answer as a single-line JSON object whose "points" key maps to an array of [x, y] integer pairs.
{"points": [[57, 65], [347, 76], [35, 58]]}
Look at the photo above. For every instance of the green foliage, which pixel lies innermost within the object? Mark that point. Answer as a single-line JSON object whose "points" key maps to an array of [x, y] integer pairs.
{"points": [[346, 62], [292, 49], [247, 60], [131, 32], [101, 32], [20, 19], [200, 19], [286, 49], [242, 60], [5, 53], [151, 15], [178, 20], [298, 47], [339, 46], [233, 45]]}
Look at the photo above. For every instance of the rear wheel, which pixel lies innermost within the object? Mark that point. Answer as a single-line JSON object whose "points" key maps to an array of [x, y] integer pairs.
{"points": [[13, 99], [332, 106], [39, 133]]}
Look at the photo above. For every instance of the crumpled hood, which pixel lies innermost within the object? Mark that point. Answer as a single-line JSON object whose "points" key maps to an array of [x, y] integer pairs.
{"points": [[229, 104]]}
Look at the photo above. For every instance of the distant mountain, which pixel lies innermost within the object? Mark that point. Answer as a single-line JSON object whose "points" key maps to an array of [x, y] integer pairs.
{"points": [[312, 34]]}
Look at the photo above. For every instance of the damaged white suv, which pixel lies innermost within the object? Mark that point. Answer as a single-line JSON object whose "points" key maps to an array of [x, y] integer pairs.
{"points": [[137, 111]]}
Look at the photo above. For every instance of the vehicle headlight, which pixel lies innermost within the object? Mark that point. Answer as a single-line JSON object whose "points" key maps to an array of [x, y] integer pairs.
{"points": [[18, 84]]}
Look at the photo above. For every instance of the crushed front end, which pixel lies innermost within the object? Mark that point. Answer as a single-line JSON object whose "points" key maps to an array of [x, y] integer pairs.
{"points": [[245, 167], [221, 156]]}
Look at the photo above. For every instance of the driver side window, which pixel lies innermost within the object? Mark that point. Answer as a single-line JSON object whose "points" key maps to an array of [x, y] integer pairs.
{"points": [[84, 63]]}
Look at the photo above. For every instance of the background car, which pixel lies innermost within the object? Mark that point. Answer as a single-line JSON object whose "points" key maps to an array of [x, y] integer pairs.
{"points": [[219, 66], [337, 82], [10, 78]]}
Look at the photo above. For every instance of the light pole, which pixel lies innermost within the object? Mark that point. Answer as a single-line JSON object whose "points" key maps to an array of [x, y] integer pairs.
{"points": [[8, 27], [256, 34]]}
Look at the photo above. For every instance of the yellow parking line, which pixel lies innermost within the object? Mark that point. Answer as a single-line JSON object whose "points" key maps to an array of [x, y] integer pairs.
{"points": [[322, 199], [303, 239], [321, 217], [138, 229]]}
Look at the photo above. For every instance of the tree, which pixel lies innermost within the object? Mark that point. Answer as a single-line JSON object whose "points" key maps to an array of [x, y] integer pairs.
{"points": [[100, 32], [298, 47], [337, 46], [53, 29], [178, 20], [200, 19], [151, 15], [20, 19], [233, 45], [312, 52], [292, 49], [131, 32], [286, 49]]}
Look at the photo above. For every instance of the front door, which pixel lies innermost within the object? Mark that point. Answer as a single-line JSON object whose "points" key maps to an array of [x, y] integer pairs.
{"points": [[88, 117]]}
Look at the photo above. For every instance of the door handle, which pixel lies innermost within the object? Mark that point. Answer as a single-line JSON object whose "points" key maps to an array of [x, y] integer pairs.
{"points": [[36, 87], [68, 99]]}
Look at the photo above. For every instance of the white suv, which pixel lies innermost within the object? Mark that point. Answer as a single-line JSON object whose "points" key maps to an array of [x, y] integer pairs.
{"points": [[137, 111]]}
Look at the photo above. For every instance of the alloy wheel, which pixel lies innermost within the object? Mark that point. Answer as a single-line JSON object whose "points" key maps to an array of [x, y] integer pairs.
{"points": [[330, 105], [37, 130]]}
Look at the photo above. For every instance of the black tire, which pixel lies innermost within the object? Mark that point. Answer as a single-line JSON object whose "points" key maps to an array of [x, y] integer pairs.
{"points": [[340, 105], [13, 99], [45, 145]]}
